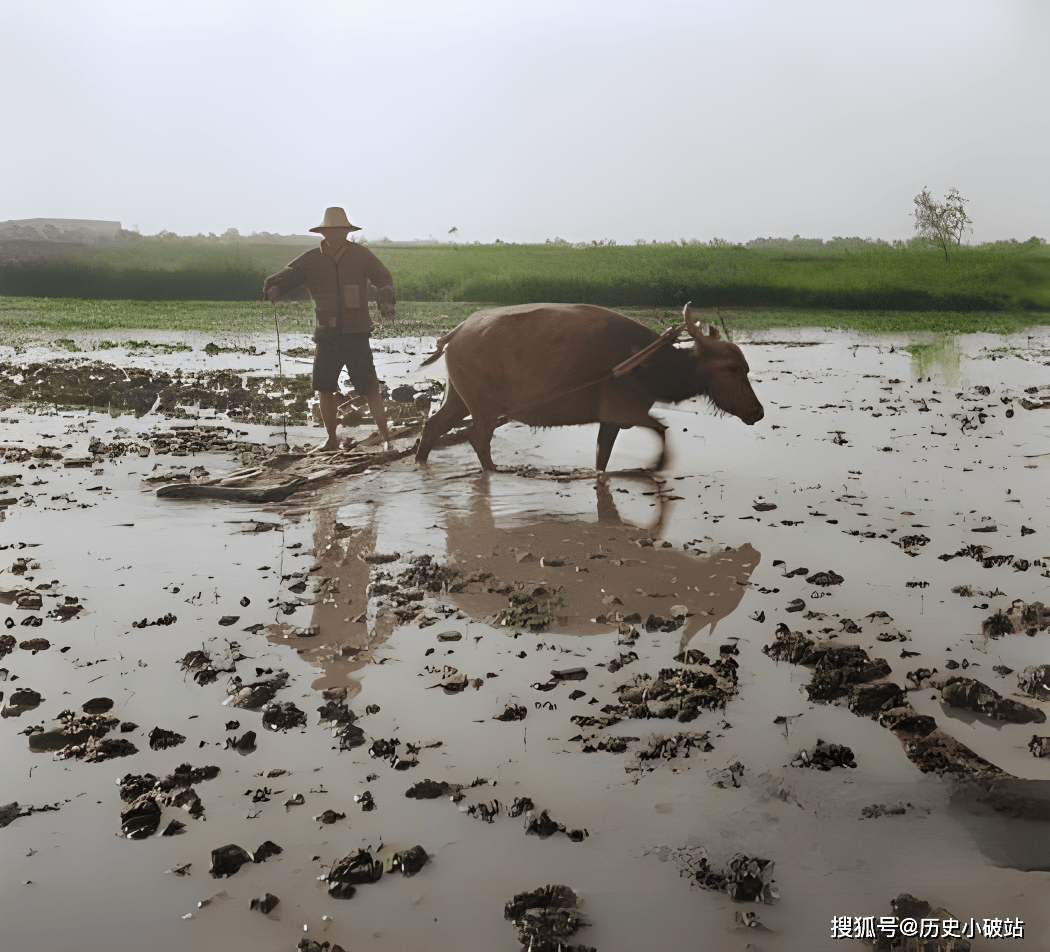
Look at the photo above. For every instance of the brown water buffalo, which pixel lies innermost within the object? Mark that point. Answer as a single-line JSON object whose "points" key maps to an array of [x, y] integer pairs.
{"points": [[551, 365]]}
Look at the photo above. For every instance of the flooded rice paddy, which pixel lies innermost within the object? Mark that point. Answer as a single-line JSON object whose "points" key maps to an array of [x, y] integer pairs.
{"points": [[577, 658]]}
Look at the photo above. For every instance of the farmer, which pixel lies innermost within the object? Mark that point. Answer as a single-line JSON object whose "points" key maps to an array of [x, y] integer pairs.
{"points": [[336, 275]]}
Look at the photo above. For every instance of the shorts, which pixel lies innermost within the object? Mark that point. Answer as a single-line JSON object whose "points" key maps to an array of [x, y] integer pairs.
{"points": [[345, 350]]}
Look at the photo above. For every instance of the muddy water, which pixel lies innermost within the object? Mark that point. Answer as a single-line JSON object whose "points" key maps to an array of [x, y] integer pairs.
{"points": [[841, 499]]}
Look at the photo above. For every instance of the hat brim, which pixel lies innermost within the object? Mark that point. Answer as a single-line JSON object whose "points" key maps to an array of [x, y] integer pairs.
{"points": [[320, 228]]}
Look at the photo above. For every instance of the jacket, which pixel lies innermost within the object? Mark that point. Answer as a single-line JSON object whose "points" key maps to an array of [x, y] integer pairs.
{"points": [[339, 289]]}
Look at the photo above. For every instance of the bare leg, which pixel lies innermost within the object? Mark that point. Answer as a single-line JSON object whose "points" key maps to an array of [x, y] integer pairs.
{"points": [[607, 433], [330, 417], [375, 404]]}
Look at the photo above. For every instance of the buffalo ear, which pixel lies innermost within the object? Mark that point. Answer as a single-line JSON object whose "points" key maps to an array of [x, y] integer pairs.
{"points": [[711, 332]]}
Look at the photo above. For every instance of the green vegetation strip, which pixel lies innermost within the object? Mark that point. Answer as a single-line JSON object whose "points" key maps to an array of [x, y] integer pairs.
{"points": [[840, 275]]}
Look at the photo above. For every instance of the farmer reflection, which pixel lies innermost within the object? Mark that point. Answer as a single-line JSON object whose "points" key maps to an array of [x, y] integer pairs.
{"points": [[336, 275]]}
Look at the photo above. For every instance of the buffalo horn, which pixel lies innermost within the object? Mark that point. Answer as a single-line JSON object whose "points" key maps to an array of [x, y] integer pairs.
{"points": [[710, 331]]}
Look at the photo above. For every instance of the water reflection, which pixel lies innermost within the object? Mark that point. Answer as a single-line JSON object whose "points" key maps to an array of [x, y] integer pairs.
{"points": [[936, 356]]}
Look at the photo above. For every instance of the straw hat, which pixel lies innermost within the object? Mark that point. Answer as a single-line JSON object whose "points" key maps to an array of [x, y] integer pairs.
{"points": [[335, 217]]}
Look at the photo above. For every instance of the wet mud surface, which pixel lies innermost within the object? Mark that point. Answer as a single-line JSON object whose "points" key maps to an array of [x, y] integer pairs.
{"points": [[798, 674]]}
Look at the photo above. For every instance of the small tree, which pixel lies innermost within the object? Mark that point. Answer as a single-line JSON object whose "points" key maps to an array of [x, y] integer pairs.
{"points": [[453, 231], [941, 223]]}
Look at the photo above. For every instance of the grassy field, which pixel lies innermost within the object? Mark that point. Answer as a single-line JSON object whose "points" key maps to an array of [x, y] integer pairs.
{"points": [[171, 283], [843, 274]]}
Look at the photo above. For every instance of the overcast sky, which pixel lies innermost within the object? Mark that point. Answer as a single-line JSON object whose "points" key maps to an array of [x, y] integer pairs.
{"points": [[523, 121]]}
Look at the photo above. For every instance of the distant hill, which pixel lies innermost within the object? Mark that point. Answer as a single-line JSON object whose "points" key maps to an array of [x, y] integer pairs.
{"points": [[69, 230]]}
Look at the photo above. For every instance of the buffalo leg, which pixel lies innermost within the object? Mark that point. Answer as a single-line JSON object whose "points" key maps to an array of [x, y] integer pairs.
{"points": [[607, 433], [451, 412], [480, 435]]}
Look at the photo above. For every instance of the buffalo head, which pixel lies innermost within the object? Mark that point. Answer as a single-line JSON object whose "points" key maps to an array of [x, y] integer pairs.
{"points": [[722, 372]]}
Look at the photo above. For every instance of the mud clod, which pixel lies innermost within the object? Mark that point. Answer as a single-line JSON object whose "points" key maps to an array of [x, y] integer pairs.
{"points": [[545, 918], [975, 696]]}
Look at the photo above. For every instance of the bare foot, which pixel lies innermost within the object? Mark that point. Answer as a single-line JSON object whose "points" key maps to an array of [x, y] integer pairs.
{"points": [[331, 446]]}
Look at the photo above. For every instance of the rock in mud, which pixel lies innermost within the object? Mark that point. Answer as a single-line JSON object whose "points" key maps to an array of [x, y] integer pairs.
{"points": [[243, 744], [1035, 681], [823, 579], [544, 826], [837, 669], [283, 717], [20, 701], [512, 712], [906, 906], [185, 799], [746, 879], [355, 869], [350, 736], [906, 719], [141, 818], [1020, 617], [825, 756], [615, 664], [791, 646], [449, 636], [35, 645], [667, 747], [257, 694], [312, 945], [206, 668], [161, 739], [97, 705], [659, 623], [484, 811], [569, 674], [432, 790], [545, 918], [83, 738], [7, 643], [99, 749], [411, 861], [9, 812], [335, 711], [1039, 746], [266, 849], [227, 860], [866, 700], [455, 682], [266, 904], [681, 692], [975, 696], [329, 817]]}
